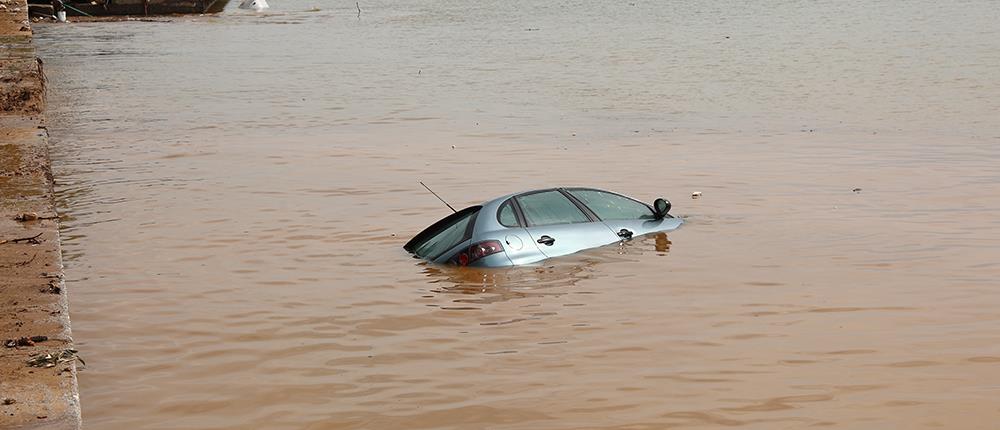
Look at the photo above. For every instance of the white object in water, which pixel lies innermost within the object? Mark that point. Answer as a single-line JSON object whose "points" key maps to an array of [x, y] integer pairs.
{"points": [[257, 5], [61, 16], [696, 194]]}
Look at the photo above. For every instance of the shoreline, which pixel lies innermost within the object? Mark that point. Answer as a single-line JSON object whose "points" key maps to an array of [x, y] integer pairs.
{"points": [[35, 318]]}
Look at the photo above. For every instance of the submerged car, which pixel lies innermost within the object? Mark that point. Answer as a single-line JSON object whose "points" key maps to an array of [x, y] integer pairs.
{"points": [[531, 226]]}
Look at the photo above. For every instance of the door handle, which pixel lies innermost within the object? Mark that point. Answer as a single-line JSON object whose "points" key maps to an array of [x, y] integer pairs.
{"points": [[546, 240], [625, 234]]}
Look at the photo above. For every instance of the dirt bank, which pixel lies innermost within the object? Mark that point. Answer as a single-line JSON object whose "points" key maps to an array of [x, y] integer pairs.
{"points": [[34, 319]]}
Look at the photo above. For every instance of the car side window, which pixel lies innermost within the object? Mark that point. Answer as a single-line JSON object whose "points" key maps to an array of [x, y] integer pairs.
{"points": [[548, 208], [506, 215], [446, 239], [610, 206]]}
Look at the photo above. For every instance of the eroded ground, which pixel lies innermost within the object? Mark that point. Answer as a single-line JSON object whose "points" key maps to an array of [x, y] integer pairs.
{"points": [[34, 319]]}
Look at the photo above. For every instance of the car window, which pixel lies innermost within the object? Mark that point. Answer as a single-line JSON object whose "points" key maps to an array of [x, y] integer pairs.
{"points": [[610, 206], [550, 207], [506, 215], [446, 238]]}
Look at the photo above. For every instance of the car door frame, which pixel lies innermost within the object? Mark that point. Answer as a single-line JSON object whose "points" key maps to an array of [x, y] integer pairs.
{"points": [[592, 220], [637, 227], [519, 247]]}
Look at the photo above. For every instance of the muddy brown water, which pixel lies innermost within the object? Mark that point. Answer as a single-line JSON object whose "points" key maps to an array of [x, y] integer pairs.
{"points": [[237, 189]]}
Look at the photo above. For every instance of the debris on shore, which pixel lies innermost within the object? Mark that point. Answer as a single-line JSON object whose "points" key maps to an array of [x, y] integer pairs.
{"points": [[27, 216], [33, 321], [24, 341], [32, 216], [51, 288], [32, 240], [51, 360]]}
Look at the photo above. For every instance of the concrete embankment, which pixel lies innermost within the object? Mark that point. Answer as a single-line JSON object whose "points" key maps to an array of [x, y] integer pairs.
{"points": [[34, 317]]}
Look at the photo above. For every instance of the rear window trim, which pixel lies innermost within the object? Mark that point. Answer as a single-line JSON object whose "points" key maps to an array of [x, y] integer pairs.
{"points": [[442, 224]]}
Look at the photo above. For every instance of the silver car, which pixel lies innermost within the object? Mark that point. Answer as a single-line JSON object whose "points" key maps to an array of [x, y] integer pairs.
{"points": [[528, 227]]}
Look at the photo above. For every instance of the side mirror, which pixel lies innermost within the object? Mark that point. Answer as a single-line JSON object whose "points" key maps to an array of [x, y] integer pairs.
{"points": [[660, 208]]}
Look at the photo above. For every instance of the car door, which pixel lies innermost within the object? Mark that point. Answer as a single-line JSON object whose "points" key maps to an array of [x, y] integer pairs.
{"points": [[622, 213], [559, 226], [519, 246]]}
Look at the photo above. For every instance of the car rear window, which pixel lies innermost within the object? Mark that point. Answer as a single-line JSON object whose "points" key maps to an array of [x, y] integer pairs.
{"points": [[548, 208], [444, 235], [611, 206]]}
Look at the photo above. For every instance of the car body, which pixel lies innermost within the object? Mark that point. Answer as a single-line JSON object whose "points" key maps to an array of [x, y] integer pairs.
{"points": [[531, 226]]}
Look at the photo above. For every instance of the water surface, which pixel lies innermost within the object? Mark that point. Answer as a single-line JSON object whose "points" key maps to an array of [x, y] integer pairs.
{"points": [[238, 188]]}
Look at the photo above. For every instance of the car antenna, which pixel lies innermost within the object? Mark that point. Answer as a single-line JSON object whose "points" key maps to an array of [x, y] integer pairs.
{"points": [[439, 197]]}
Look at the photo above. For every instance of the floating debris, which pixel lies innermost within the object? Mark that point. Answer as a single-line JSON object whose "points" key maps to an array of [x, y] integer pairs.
{"points": [[51, 360], [696, 194], [857, 190]]}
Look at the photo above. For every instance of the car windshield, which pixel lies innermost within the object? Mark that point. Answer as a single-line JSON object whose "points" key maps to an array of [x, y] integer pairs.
{"points": [[548, 208], [611, 206], [444, 234]]}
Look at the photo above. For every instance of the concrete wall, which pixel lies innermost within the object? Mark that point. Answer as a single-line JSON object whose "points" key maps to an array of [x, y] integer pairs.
{"points": [[33, 296]]}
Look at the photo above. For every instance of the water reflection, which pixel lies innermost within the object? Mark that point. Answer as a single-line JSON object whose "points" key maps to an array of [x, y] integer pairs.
{"points": [[549, 278], [659, 243], [490, 285], [662, 243]]}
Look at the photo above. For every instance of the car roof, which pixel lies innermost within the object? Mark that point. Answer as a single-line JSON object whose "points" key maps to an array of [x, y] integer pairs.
{"points": [[504, 198]]}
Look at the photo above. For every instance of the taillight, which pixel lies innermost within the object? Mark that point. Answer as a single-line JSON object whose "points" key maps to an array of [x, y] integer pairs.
{"points": [[477, 251]]}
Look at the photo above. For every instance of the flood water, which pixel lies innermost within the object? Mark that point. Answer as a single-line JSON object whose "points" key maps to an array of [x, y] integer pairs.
{"points": [[237, 189]]}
